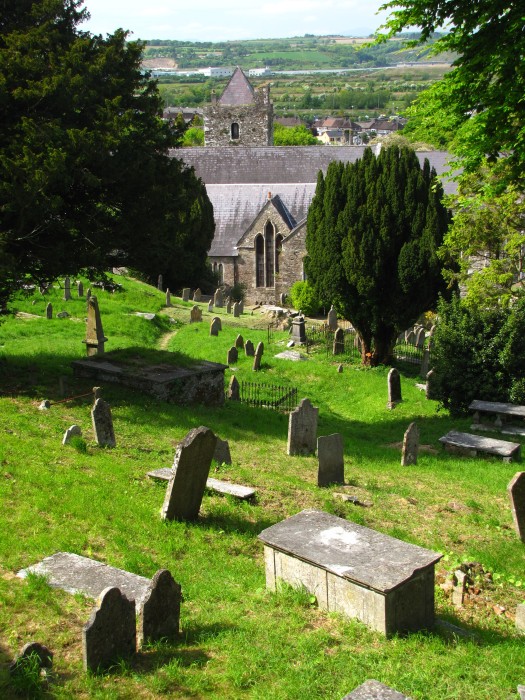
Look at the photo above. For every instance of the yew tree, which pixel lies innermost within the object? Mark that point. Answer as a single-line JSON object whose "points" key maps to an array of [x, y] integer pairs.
{"points": [[373, 231]]}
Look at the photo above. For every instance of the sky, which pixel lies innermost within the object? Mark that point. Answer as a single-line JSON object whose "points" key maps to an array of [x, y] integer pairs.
{"points": [[223, 20]]}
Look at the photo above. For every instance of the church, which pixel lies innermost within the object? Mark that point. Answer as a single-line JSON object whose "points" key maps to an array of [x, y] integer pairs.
{"points": [[260, 192]]}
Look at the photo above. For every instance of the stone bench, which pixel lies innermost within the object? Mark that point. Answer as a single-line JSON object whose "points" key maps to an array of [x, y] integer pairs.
{"points": [[501, 412], [472, 445], [384, 582], [223, 487]]}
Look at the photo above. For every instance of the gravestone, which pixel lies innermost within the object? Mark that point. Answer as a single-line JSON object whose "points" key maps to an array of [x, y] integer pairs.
{"points": [[516, 491], [71, 432], [33, 649], [215, 326], [302, 429], [430, 392], [410, 445], [217, 299], [110, 633], [339, 369], [258, 357], [63, 314], [331, 319], [49, 310], [282, 299], [218, 322], [186, 294], [239, 342], [249, 350], [232, 356], [236, 312], [241, 307], [222, 453], [95, 338], [159, 283], [331, 460], [159, 615], [190, 472], [394, 388], [520, 617], [420, 338], [339, 342], [88, 295], [425, 363], [67, 289], [197, 294], [103, 424], [299, 330], [228, 305], [196, 314], [210, 306], [234, 389], [373, 690], [80, 288], [168, 297]]}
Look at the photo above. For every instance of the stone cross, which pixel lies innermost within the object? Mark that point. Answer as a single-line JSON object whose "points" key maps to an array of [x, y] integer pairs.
{"points": [[95, 338], [249, 350], [190, 472], [233, 356], [110, 633], [168, 297], [339, 342], [210, 306], [410, 445], [258, 356], [159, 283], [516, 491], [236, 312], [196, 314], [330, 454], [394, 388], [80, 288], [234, 389], [103, 424], [239, 342], [217, 299], [197, 294], [186, 294], [67, 289], [215, 326], [159, 615], [49, 310], [331, 319], [302, 429]]}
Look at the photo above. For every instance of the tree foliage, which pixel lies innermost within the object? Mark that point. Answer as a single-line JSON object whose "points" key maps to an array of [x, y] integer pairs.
{"points": [[373, 230], [85, 176], [293, 136]]}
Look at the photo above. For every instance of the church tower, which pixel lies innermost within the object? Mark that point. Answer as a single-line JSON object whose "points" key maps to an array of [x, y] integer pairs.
{"points": [[242, 116]]}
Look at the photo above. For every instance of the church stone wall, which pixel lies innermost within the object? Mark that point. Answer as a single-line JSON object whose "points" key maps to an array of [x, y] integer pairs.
{"points": [[255, 124]]}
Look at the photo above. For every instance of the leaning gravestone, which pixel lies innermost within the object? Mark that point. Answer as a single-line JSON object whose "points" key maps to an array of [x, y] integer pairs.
{"points": [[394, 388], [110, 633], [258, 356], [80, 288], [186, 294], [339, 342], [234, 390], [196, 314], [331, 319], [374, 690], [95, 339], [239, 342], [159, 615], [331, 460], [49, 310], [302, 429], [249, 350], [190, 472], [67, 289], [222, 453], [197, 294], [71, 432], [410, 445], [516, 491], [103, 424], [232, 356], [217, 299], [215, 326]]}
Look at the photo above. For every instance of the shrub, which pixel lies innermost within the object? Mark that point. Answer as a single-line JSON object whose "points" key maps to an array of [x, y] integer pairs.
{"points": [[303, 298]]}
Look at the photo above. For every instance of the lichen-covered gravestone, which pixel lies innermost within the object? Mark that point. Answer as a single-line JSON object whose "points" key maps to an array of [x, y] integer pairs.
{"points": [[217, 299], [110, 634], [190, 472], [234, 390], [196, 314], [215, 326], [394, 388], [410, 447], [249, 350], [516, 491], [259, 350], [159, 615], [103, 424], [339, 342], [197, 295], [302, 429], [330, 454]]}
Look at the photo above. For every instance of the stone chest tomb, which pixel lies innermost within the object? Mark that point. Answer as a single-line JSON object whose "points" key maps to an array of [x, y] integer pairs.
{"points": [[384, 582]]}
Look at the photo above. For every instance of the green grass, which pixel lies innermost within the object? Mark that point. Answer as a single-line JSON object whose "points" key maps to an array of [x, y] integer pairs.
{"points": [[238, 639]]}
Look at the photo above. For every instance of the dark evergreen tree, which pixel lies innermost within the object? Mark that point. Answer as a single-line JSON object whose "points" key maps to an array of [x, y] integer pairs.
{"points": [[86, 180], [373, 230]]}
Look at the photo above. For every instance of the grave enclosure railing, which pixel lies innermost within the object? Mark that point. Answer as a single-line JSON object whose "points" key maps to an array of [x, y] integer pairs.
{"points": [[277, 398]]}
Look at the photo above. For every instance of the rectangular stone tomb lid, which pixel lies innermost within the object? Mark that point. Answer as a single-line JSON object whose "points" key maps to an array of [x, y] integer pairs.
{"points": [[158, 373], [76, 574], [351, 551]]}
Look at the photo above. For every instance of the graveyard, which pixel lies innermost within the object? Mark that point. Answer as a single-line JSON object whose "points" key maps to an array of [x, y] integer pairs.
{"points": [[241, 635]]}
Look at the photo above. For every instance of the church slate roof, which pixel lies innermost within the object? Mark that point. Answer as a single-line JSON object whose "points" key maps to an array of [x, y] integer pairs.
{"points": [[238, 91]]}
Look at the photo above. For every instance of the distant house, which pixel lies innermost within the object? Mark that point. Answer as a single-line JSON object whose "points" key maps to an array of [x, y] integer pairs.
{"points": [[288, 121], [333, 136], [188, 113]]}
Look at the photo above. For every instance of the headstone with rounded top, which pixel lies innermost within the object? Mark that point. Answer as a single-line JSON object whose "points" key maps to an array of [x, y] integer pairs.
{"points": [[234, 389], [210, 306], [218, 300], [80, 288], [241, 307], [49, 310], [33, 650], [410, 447], [72, 431], [259, 350], [302, 429], [420, 338], [103, 424], [430, 392], [159, 614], [197, 294], [339, 342], [228, 305], [67, 289], [249, 350], [331, 319], [196, 314], [516, 491], [186, 294], [394, 388], [215, 326], [239, 342], [236, 311], [330, 453], [232, 356]]}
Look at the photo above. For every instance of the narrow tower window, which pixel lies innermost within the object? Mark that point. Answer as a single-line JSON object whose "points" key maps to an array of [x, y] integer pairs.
{"points": [[234, 131]]}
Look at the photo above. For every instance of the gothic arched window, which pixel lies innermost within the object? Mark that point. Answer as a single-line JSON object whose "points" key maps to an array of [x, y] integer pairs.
{"points": [[221, 273], [269, 240], [234, 131], [278, 250], [259, 261]]}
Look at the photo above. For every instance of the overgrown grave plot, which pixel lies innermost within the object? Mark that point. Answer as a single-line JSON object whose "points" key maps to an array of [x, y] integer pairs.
{"points": [[238, 640]]}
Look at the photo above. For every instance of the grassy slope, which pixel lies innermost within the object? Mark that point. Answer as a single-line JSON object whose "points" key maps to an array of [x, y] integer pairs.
{"points": [[239, 641]]}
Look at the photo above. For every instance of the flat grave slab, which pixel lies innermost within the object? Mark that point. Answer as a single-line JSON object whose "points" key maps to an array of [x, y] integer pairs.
{"points": [[224, 487], [468, 444], [374, 690], [76, 574], [384, 582], [501, 412]]}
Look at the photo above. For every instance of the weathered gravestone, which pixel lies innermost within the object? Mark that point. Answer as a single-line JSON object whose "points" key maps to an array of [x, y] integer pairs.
{"points": [[110, 633], [302, 429], [331, 319], [239, 342], [103, 424], [210, 306], [299, 330], [217, 298], [80, 288], [222, 453], [190, 472], [331, 460], [236, 310], [394, 388], [215, 326], [71, 432], [228, 305], [516, 491], [168, 297], [420, 338], [159, 283], [159, 615], [95, 338], [339, 369], [197, 294], [88, 295], [520, 617], [195, 314], [425, 363], [374, 690], [234, 390], [49, 310], [241, 307], [186, 294], [430, 392], [339, 342], [232, 356], [67, 289], [259, 350], [33, 650], [410, 447], [249, 350]]}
